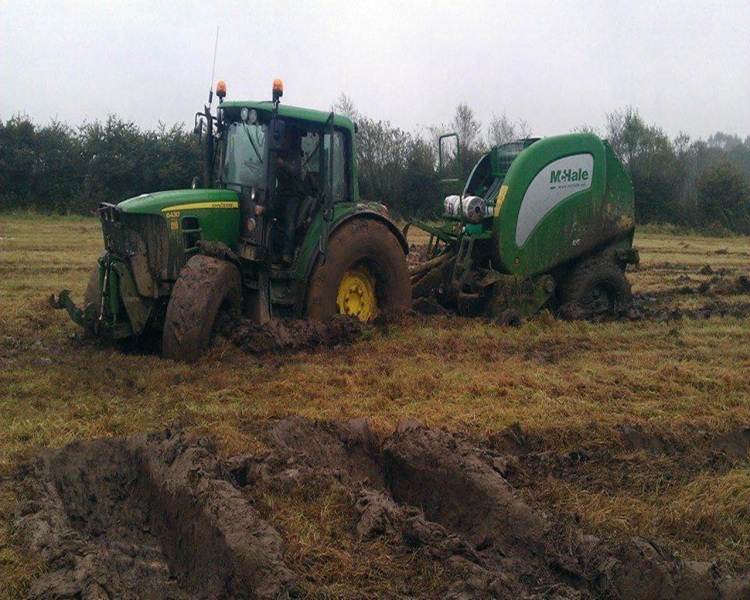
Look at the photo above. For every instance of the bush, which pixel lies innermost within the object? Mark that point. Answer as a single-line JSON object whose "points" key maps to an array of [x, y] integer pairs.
{"points": [[724, 198], [59, 169]]}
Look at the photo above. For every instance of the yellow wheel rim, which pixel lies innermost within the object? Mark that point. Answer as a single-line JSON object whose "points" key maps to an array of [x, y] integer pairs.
{"points": [[356, 295]]}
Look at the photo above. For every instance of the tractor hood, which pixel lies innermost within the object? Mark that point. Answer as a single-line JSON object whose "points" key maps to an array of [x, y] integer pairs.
{"points": [[186, 216], [191, 201]]}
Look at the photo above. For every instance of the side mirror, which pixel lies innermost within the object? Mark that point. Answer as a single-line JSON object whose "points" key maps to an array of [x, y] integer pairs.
{"points": [[278, 139], [198, 128]]}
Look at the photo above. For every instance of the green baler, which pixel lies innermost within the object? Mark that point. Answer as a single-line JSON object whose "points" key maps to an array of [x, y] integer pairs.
{"points": [[540, 222]]}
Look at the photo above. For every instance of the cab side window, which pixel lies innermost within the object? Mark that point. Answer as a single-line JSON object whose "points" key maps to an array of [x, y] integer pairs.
{"points": [[341, 187]]}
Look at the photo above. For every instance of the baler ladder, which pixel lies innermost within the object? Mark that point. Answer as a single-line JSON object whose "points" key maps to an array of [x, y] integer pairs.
{"points": [[448, 182]]}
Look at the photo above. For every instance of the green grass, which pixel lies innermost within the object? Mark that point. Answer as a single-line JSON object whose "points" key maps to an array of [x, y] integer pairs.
{"points": [[570, 384]]}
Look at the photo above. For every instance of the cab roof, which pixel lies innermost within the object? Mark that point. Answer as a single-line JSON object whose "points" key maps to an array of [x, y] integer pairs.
{"points": [[286, 111]]}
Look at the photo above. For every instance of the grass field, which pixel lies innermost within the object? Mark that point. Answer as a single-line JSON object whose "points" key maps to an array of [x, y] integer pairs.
{"points": [[639, 398]]}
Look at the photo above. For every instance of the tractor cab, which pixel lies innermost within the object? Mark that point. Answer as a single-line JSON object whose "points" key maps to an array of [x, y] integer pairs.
{"points": [[286, 164]]}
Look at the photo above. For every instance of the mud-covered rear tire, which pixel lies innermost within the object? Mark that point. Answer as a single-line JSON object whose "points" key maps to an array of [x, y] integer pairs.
{"points": [[206, 285], [360, 251], [595, 288]]}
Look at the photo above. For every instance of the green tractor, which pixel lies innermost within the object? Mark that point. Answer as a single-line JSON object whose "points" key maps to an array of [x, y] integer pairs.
{"points": [[278, 230]]}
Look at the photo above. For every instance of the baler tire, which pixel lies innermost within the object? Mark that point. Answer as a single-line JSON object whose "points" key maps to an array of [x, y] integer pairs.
{"points": [[367, 245], [510, 317], [595, 288], [206, 285]]}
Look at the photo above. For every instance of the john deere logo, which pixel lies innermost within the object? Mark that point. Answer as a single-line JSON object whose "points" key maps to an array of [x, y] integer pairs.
{"points": [[568, 175]]}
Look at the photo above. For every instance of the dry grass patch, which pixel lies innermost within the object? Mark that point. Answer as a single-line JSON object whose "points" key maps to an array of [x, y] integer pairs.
{"points": [[317, 529]]}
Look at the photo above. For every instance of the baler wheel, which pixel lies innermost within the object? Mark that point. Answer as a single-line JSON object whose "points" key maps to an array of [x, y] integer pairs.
{"points": [[206, 285], [364, 272], [510, 317], [595, 288]]}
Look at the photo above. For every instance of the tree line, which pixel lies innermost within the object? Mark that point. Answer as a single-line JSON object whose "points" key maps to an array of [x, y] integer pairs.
{"points": [[698, 184], [701, 184], [56, 168], [694, 183]]}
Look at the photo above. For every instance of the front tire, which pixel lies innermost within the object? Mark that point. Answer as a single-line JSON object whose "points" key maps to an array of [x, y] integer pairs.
{"points": [[595, 288], [206, 285], [92, 297], [93, 294], [364, 273]]}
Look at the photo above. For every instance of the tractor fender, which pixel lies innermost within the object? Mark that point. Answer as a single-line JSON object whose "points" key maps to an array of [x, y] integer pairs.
{"points": [[223, 252], [373, 214], [365, 213]]}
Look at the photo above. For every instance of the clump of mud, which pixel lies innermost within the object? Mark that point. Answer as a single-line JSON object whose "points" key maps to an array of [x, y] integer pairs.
{"points": [[288, 335], [162, 516], [726, 286], [651, 307], [417, 255]]}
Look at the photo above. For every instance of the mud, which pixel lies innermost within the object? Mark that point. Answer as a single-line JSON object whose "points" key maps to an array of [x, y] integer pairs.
{"points": [[417, 255], [720, 290], [722, 294], [719, 296], [153, 516], [633, 458], [287, 335], [662, 308], [162, 516], [718, 293]]}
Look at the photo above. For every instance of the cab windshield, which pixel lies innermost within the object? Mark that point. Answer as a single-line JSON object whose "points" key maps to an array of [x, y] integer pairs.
{"points": [[244, 161]]}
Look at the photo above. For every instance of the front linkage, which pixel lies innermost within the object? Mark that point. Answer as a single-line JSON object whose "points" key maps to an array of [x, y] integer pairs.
{"points": [[112, 308], [86, 318]]}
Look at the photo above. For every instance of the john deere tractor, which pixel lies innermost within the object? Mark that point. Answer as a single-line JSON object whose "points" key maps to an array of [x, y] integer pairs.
{"points": [[277, 230]]}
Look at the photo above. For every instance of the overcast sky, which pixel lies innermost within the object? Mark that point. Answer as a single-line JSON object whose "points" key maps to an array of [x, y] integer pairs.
{"points": [[557, 65]]}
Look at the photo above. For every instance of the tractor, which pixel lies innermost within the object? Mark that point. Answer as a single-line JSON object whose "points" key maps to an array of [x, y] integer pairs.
{"points": [[276, 230]]}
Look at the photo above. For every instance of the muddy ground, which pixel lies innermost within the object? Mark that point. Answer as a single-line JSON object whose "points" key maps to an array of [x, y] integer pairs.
{"points": [[690, 295], [161, 515], [721, 294], [287, 335]]}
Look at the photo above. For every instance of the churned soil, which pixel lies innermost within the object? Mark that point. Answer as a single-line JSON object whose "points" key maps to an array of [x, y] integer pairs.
{"points": [[293, 335], [162, 515], [287, 335], [722, 295], [711, 292]]}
